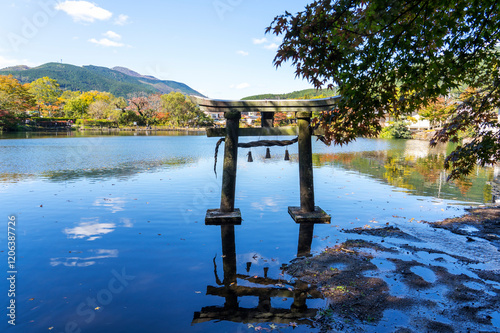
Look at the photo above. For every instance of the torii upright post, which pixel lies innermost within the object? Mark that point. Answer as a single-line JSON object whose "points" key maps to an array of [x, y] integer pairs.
{"points": [[307, 212], [305, 162], [227, 214], [230, 162]]}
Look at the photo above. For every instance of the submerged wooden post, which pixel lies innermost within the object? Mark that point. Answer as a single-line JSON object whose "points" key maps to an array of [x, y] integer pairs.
{"points": [[230, 162], [305, 162]]}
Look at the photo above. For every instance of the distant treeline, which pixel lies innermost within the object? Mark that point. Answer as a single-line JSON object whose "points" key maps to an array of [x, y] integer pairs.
{"points": [[302, 94]]}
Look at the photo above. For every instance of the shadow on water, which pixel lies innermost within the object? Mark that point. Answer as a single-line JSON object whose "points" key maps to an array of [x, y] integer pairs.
{"points": [[263, 287]]}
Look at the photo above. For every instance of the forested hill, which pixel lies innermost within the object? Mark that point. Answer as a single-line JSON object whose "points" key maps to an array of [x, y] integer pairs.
{"points": [[302, 94], [119, 81]]}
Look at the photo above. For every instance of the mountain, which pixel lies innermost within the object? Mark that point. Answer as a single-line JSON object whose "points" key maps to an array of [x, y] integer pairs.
{"points": [[119, 81], [130, 72], [301, 94], [163, 86], [17, 68]]}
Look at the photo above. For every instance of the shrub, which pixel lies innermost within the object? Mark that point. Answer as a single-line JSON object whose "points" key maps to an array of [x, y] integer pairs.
{"points": [[397, 130], [95, 123], [129, 117], [51, 119], [8, 122]]}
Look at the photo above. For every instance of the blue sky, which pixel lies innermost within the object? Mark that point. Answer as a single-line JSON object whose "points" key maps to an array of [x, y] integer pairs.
{"points": [[218, 47]]}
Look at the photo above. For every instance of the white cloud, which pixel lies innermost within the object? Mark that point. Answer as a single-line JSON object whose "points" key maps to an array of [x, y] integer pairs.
{"points": [[265, 43], [260, 41], [121, 19], [272, 46], [243, 85], [84, 11], [106, 42], [242, 53], [112, 35]]}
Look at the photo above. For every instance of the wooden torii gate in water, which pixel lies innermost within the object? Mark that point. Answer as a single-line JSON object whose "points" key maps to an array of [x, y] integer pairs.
{"points": [[227, 214]]}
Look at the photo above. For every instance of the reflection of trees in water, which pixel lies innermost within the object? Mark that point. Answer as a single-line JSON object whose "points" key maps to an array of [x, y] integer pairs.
{"points": [[15, 177], [419, 174], [397, 170], [122, 171], [99, 133]]}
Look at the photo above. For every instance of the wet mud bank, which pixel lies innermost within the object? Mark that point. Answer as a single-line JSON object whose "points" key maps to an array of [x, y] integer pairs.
{"points": [[392, 280], [481, 223]]}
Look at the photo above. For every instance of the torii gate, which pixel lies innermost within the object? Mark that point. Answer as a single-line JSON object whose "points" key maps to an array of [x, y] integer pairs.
{"points": [[228, 214]]}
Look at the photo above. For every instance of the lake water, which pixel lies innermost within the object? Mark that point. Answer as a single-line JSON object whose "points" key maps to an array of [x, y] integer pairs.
{"points": [[111, 235]]}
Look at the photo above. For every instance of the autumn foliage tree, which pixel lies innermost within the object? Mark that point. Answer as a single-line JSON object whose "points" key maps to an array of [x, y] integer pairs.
{"points": [[182, 111], [440, 110], [280, 119], [46, 92], [100, 110], [154, 109], [15, 100], [14, 97], [148, 107], [78, 103], [120, 103], [399, 57]]}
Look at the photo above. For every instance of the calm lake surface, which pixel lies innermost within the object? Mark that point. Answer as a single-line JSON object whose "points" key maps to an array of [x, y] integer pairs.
{"points": [[111, 235]]}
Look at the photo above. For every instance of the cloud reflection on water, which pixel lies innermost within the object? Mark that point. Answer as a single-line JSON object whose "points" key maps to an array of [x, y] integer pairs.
{"points": [[114, 204], [266, 204], [91, 230], [76, 261]]}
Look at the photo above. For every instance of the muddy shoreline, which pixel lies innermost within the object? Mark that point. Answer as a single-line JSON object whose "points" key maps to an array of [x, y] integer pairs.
{"points": [[478, 222], [387, 280]]}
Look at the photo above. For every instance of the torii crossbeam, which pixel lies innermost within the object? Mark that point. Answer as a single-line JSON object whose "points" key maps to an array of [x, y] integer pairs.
{"points": [[227, 214]]}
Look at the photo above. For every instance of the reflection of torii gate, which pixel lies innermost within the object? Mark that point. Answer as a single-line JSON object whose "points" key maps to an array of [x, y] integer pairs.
{"points": [[269, 288], [307, 212]]}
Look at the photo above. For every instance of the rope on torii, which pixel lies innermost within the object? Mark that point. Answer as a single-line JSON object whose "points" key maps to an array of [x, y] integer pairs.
{"points": [[260, 143]]}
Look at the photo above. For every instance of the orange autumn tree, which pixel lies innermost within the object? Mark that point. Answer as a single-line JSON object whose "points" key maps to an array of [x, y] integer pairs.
{"points": [[280, 119], [15, 100], [46, 92]]}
